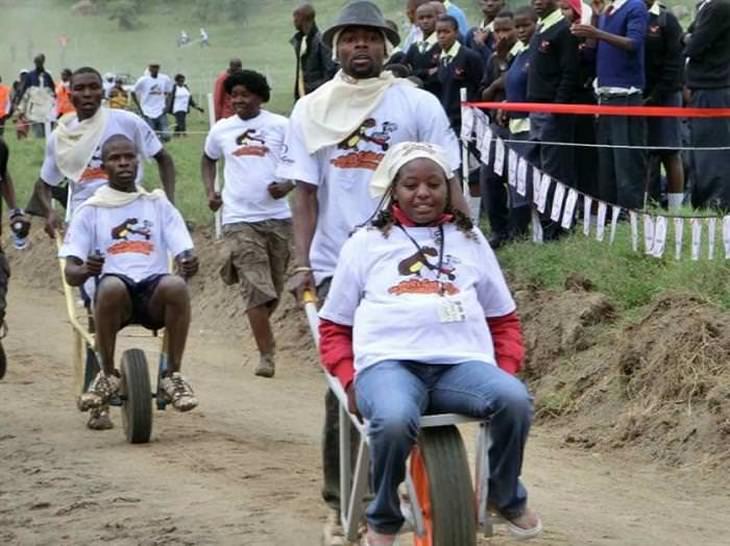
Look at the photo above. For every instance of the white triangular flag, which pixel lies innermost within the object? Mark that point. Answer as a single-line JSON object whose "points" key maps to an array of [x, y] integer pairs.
{"points": [[615, 213], [522, 177], [696, 238], [536, 181], [648, 234], [726, 235], [558, 199], [601, 222], [587, 206], [634, 220], [678, 236], [544, 190], [660, 236], [711, 228], [536, 227], [512, 168], [485, 145], [481, 122], [499, 157], [569, 210], [467, 122]]}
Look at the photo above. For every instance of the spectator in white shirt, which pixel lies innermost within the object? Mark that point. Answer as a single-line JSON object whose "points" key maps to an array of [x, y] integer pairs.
{"points": [[181, 101], [150, 95]]}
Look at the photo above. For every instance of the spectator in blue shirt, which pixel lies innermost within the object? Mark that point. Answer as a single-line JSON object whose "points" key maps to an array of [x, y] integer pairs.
{"points": [[620, 81]]}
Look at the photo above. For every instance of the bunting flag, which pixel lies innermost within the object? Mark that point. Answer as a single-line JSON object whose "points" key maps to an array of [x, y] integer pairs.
{"points": [[558, 198], [569, 210], [536, 182], [512, 168], [634, 220], [522, 177], [544, 190], [615, 213], [648, 234], [467, 123], [601, 221], [726, 236], [587, 205], [536, 227], [696, 238], [485, 145], [481, 124], [711, 228], [499, 157], [660, 236], [678, 236]]}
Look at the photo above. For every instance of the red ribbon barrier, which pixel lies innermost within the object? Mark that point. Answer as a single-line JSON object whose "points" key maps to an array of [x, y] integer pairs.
{"points": [[592, 109]]}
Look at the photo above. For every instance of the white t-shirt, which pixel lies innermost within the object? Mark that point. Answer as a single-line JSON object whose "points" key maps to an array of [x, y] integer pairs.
{"points": [[383, 288], [151, 94], [251, 149], [342, 173], [182, 99], [135, 239], [118, 122]]}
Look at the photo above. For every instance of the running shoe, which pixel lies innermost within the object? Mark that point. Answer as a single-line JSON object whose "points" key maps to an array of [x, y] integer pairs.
{"points": [[101, 390], [179, 392], [266, 367], [99, 419]]}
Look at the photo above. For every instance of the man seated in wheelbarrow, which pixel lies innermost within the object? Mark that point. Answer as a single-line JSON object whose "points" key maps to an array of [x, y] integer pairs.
{"points": [[419, 319], [122, 236]]}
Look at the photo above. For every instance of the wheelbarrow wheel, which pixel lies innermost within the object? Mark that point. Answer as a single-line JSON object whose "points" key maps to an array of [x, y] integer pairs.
{"points": [[136, 396], [442, 481]]}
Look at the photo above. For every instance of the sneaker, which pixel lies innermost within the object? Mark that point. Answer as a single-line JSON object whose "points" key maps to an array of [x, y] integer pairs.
{"points": [[20, 243], [266, 365], [99, 419], [101, 390], [179, 392], [374, 538]]}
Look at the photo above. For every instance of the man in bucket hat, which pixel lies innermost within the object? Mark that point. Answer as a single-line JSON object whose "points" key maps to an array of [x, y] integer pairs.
{"points": [[336, 138]]}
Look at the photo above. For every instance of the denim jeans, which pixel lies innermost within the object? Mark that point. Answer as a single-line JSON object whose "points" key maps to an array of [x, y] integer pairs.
{"points": [[392, 396], [160, 126]]}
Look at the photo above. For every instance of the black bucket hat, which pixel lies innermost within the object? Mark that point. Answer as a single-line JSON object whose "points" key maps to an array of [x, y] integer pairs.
{"points": [[360, 13]]}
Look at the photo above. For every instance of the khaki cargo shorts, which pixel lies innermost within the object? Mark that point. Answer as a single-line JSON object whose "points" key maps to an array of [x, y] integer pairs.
{"points": [[257, 257]]}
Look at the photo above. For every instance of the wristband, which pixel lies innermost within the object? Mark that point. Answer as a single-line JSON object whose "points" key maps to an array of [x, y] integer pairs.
{"points": [[302, 269]]}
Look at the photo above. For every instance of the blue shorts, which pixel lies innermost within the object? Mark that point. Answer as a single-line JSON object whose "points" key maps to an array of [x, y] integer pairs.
{"points": [[140, 294], [666, 132]]}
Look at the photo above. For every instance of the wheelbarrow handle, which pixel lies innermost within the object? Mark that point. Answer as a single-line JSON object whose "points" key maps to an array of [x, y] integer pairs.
{"points": [[309, 299]]}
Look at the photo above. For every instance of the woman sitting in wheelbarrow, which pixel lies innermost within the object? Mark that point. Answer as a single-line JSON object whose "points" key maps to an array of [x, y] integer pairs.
{"points": [[419, 319], [122, 235]]}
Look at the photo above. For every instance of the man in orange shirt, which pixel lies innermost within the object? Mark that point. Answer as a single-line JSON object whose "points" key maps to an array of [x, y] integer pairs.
{"points": [[63, 95], [221, 100], [4, 105]]}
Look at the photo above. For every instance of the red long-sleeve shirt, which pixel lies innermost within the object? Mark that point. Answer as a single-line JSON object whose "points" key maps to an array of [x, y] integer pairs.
{"points": [[336, 355]]}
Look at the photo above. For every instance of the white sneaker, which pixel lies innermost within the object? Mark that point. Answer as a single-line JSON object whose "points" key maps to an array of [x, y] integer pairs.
{"points": [[100, 391], [179, 392]]}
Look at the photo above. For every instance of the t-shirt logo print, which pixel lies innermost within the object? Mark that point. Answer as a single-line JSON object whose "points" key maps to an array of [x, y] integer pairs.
{"points": [[367, 133], [132, 237], [425, 275], [251, 142]]}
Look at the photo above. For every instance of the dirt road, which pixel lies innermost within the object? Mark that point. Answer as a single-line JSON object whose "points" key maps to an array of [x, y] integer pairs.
{"points": [[243, 469]]}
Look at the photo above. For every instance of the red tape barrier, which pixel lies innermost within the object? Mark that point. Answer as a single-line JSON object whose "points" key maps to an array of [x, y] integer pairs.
{"points": [[590, 109]]}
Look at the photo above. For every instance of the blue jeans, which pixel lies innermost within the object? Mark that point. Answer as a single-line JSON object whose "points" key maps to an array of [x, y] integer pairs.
{"points": [[160, 126], [392, 395]]}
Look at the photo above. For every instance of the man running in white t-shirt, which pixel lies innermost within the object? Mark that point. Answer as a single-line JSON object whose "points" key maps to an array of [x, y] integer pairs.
{"points": [[150, 95], [336, 138], [122, 237], [256, 215], [73, 151]]}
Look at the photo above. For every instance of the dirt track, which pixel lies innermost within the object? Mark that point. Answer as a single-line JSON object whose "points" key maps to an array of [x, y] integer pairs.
{"points": [[244, 467]]}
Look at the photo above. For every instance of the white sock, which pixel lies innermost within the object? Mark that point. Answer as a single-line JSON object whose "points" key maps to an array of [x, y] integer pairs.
{"points": [[675, 200]]}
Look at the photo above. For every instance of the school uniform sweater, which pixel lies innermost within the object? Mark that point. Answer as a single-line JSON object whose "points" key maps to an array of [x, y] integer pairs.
{"points": [[464, 70], [663, 54], [708, 49], [515, 82], [421, 63], [553, 70], [617, 67]]}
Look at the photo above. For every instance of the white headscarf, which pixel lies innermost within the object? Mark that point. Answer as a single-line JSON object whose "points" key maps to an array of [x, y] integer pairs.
{"points": [[400, 154]]}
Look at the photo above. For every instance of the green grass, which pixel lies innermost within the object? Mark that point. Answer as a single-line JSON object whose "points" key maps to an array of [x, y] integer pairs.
{"points": [[630, 279]]}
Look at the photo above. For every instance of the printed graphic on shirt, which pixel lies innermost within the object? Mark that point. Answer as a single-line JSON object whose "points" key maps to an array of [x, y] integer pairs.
{"points": [[251, 142], [425, 275], [93, 170], [156, 89], [368, 133], [132, 236]]}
